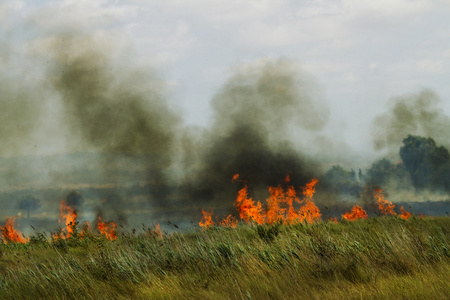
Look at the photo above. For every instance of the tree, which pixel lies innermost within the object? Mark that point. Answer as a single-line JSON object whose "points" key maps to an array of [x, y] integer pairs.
{"points": [[428, 164]]}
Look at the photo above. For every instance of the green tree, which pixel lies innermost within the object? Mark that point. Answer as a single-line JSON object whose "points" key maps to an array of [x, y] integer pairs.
{"points": [[428, 164]]}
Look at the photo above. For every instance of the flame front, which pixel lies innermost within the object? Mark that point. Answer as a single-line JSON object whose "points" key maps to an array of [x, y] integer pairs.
{"points": [[69, 216], [206, 222], [356, 213], [405, 214], [229, 221], [386, 207], [309, 212], [11, 235], [108, 229], [248, 211], [280, 205]]}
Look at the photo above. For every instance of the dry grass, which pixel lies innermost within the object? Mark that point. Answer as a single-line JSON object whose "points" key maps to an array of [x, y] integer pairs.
{"points": [[379, 258]]}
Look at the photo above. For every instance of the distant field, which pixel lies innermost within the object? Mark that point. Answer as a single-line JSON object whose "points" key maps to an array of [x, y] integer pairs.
{"points": [[380, 258]]}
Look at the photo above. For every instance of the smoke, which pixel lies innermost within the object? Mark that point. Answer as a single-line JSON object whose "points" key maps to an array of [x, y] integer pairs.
{"points": [[79, 92], [73, 88], [416, 114], [110, 108], [253, 114], [74, 200]]}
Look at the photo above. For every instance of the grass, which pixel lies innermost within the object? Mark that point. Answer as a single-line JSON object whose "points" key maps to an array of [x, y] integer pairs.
{"points": [[378, 258]]}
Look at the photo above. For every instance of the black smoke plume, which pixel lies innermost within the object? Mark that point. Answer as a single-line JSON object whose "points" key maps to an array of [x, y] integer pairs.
{"points": [[253, 114], [113, 109]]}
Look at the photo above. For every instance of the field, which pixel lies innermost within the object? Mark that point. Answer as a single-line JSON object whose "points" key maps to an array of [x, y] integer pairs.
{"points": [[375, 258]]}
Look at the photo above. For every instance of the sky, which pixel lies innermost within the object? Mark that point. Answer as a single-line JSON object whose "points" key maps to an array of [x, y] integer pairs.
{"points": [[361, 54]]}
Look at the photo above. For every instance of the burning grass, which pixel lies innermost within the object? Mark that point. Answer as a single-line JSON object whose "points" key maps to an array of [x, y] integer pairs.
{"points": [[280, 250], [380, 257]]}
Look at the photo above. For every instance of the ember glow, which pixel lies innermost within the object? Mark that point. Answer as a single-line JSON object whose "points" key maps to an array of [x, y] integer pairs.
{"points": [[108, 229], [68, 216], [356, 213], [11, 235]]}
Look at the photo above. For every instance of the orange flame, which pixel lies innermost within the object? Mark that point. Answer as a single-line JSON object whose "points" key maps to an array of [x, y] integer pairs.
{"points": [[235, 178], [291, 214], [275, 213], [333, 219], [69, 216], [229, 221], [310, 188], [11, 235], [309, 212], [86, 229], [386, 207], [405, 214], [158, 231], [108, 229], [248, 211], [206, 222], [287, 179], [356, 213], [280, 205]]}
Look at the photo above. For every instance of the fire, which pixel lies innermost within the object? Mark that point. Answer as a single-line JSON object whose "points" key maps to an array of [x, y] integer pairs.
{"points": [[235, 178], [11, 235], [309, 211], [310, 188], [287, 179], [333, 219], [206, 222], [108, 229], [386, 207], [229, 221], [357, 212], [275, 213], [69, 216], [86, 229], [280, 205], [290, 197], [248, 211], [405, 214], [158, 231]]}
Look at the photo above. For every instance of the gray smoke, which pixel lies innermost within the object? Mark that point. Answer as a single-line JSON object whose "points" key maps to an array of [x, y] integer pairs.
{"points": [[416, 114], [254, 113]]}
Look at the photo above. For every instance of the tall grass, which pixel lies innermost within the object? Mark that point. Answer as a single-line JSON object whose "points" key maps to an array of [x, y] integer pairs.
{"points": [[378, 258]]}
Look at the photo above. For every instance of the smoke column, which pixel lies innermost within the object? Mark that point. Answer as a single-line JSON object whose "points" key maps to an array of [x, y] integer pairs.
{"points": [[253, 114]]}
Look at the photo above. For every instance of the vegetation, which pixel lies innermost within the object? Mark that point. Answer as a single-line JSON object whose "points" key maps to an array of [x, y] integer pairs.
{"points": [[381, 258]]}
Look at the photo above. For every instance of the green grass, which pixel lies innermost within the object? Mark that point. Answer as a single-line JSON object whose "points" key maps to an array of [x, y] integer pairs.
{"points": [[378, 258]]}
